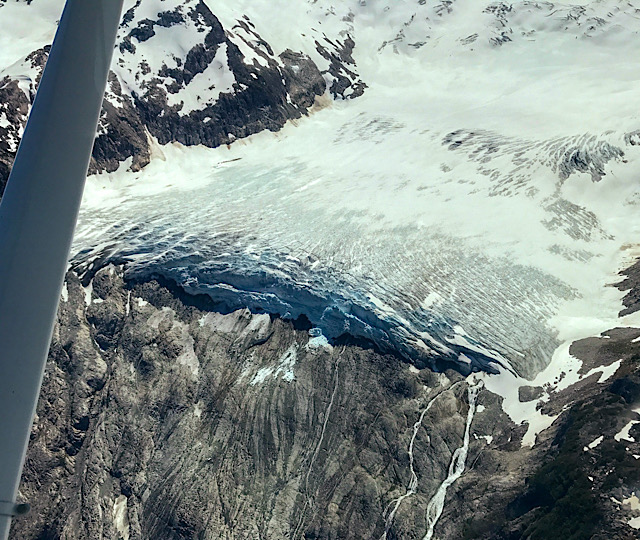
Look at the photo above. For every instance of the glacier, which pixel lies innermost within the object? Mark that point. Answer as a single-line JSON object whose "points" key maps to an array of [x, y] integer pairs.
{"points": [[473, 206]]}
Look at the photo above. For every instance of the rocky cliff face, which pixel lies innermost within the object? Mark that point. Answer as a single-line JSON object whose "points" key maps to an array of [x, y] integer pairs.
{"points": [[162, 418], [180, 76], [176, 421], [17, 91]]}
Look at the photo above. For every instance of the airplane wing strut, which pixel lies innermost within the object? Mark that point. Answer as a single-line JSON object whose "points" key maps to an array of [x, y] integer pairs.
{"points": [[38, 215]]}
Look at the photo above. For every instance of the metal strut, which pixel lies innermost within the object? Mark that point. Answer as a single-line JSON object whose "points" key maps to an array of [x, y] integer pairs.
{"points": [[38, 215]]}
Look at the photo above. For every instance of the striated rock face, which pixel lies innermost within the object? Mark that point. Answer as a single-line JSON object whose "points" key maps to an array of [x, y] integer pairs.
{"points": [[162, 418]]}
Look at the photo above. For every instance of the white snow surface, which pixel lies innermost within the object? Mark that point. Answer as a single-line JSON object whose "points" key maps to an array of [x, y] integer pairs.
{"points": [[623, 434], [594, 444], [121, 517], [64, 293], [23, 28]]}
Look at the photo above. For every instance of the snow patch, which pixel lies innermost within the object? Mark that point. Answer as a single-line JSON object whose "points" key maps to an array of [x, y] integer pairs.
{"points": [[121, 517], [4, 121], [633, 502], [317, 340], [283, 369], [258, 326], [262, 375], [606, 371], [487, 438], [188, 356], [432, 299], [205, 88], [197, 409], [286, 363], [561, 373], [623, 434], [594, 444], [219, 322], [65, 292], [506, 384], [247, 43], [88, 292]]}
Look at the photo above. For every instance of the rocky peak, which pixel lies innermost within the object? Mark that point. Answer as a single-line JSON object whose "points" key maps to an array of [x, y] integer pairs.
{"points": [[180, 76]]}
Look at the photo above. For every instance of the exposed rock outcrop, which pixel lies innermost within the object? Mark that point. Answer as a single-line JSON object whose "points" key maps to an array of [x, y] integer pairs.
{"points": [[162, 418], [229, 84], [17, 90]]}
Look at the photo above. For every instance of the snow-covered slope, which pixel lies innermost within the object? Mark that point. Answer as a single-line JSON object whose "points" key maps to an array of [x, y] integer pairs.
{"points": [[473, 204]]}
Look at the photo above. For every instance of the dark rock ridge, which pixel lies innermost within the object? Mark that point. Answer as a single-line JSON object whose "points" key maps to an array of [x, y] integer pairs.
{"points": [[233, 82], [585, 484], [346, 82], [265, 93], [16, 96], [631, 284], [160, 418]]}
